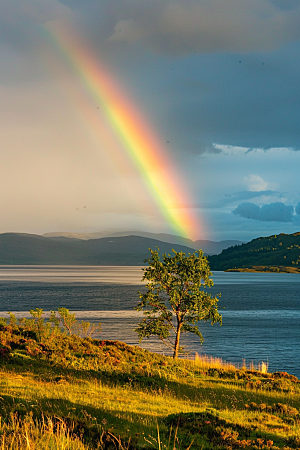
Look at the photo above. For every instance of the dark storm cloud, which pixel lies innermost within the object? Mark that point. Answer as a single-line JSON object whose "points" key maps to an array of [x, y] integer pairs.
{"points": [[211, 66], [248, 105], [189, 26], [273, 212], [203, 66], [183, 27]]}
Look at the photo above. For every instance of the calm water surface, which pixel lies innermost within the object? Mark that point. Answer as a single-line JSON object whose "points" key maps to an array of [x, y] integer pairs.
{"points": [[261, 312]]}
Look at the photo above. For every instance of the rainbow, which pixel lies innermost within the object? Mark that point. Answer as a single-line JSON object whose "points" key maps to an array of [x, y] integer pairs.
{"points": [[139, 142]]}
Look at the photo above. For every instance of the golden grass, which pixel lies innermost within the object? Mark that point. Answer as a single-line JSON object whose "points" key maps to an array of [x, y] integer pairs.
{"points": [[111, 390], [28, 434], [206, 362], [126, 401]]}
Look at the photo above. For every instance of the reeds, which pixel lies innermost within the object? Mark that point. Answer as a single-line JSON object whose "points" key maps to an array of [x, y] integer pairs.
{"points": [[210, 362]]}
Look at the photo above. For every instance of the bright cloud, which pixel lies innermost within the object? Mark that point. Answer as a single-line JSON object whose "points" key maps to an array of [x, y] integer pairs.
{"points": [[256, 183]]}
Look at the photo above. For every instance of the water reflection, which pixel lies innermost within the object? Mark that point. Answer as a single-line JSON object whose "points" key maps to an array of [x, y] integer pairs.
{"points": [[71, 274]]}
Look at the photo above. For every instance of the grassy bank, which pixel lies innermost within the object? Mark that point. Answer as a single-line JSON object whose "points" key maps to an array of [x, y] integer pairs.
{"points": [[67, 392]]}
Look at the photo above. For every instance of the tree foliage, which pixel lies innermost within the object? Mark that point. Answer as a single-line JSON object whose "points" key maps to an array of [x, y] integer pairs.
{"points": [[176, 299]]}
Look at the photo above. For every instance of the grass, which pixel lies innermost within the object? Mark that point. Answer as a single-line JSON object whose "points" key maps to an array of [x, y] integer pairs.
{"points": [[67, 392]]}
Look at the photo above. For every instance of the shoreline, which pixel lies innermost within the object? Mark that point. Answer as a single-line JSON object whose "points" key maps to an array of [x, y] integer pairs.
{"points": [[265, 269]]}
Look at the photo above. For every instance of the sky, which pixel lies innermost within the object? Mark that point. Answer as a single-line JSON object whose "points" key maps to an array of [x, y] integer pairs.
{"points": [[175, 116]]}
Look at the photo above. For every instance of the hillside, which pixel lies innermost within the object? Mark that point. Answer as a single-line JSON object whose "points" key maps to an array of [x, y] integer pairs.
{"points": [[208, 247], [23, 249], [273, 253], [62, 391]]}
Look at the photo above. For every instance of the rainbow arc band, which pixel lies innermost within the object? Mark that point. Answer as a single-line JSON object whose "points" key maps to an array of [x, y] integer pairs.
{"points": [[139, 143]]}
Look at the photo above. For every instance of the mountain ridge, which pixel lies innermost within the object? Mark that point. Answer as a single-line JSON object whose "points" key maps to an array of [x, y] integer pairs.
{"points": [[208, 247], [30, 249]]}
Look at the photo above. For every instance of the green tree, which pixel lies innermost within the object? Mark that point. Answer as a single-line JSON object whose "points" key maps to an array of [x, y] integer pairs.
{"points": [[175, 300]]}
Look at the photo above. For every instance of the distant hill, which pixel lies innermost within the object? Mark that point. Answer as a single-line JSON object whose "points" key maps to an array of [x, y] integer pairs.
{"points": [[30, 249], [274, 253], [213, 247], [208, 247]]}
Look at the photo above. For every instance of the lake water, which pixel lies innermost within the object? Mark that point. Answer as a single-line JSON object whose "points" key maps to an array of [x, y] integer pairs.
{"points": [[261, 311]]}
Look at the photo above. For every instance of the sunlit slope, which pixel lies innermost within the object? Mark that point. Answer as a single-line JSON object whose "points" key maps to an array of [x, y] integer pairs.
{"points": [[61, 391], [33, 249], [270, 253]]}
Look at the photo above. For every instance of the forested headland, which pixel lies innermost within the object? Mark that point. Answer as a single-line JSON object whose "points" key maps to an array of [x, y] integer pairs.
{"points": [[277, 253]]}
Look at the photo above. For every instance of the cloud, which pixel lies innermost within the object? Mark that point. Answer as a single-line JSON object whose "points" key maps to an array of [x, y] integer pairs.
{"points": [[286, 5], [29, 10], [20, 19], [297, 209], [273, 212], [255, 182], [238, 196], [189, 26], [272, 147]]}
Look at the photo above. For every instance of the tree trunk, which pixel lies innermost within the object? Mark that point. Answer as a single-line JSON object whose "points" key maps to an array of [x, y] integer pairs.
{"points": [[176, 345]]}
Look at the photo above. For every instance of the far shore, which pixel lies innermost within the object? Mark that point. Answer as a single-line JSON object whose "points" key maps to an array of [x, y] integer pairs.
{"points": [[266, 269]]}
